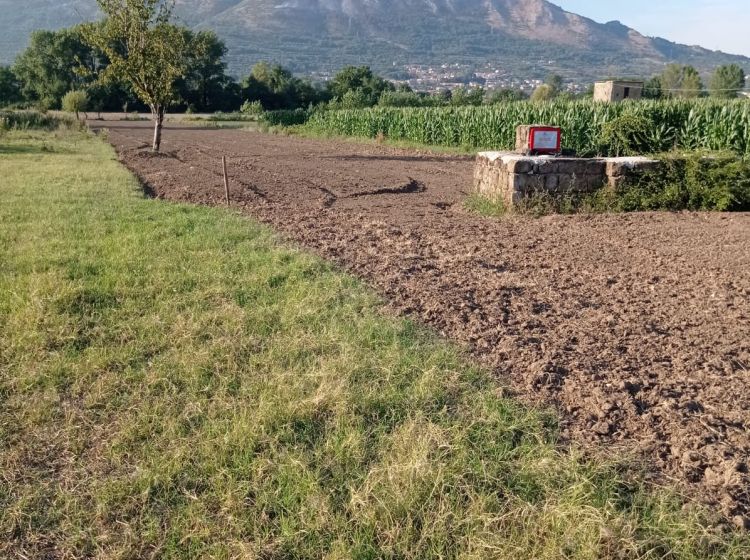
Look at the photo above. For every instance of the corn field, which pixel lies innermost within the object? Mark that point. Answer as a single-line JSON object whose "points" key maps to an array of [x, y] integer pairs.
{"points": [[285, 117], [682, 124]]}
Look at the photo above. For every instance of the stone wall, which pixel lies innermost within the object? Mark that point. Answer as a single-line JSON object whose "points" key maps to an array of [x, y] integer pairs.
{"points": [[510, 177]]}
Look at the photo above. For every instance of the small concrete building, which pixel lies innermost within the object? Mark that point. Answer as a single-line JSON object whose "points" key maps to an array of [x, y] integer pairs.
{"points": [[616, 90]]}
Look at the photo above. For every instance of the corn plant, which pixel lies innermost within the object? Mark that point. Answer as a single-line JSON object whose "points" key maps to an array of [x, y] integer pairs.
{"points": [[687, 124]]}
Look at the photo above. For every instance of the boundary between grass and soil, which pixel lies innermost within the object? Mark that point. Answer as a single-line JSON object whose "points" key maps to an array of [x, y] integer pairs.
{"points": [[178, 383]]}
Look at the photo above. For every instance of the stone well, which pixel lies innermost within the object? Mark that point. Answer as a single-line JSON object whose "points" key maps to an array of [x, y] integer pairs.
{"points": [[510, 177]]}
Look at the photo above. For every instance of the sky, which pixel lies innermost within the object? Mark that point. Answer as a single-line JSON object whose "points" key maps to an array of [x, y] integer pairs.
{"points": [[714, 24]]}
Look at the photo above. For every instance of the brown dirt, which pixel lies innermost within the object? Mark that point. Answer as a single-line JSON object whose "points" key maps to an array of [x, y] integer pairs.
{"points": [[636, 327]]}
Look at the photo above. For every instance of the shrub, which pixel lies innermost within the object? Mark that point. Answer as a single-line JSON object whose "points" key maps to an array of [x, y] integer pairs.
{"points": [[405, 99], [252, 108], [545, 92], [696, 182], [76, 101], [28, 120]]}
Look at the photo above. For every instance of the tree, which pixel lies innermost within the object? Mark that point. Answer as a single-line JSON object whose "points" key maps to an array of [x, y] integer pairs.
{"points": [[143, 49], [53, 64], [727, 81], [681, 81], [277, 88], [359, 79], [206, 86], [555, 82], [652, 88], [505, 95], [10, 88], [464, 96], [76, 101], [57, 62], [545, 92]]}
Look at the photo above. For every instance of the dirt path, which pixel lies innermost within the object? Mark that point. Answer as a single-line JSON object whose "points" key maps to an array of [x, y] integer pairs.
{"points": [[637, 327]]}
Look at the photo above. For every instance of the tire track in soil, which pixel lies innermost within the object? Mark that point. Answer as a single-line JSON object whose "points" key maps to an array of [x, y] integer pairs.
{"points": [[635, 327]]}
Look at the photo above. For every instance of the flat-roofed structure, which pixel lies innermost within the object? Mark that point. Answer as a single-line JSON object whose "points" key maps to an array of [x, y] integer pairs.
{"points": [[617, 90]]}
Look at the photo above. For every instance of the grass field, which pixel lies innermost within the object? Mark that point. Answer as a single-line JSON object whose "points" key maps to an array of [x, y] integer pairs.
{"points": [[176, 383]]}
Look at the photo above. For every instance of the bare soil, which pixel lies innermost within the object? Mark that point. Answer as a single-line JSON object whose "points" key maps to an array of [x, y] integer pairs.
{"points": [[635, 327]]}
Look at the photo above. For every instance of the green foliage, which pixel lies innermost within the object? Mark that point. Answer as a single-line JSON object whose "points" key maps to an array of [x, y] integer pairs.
{"points": [[689, 124], [695, 182], [627, 135], [360, 84], [252, 108], [55, 63], [76, 101], [144, 50], [59, 61], [681, 81], [727, 81], [485, 207], [555, 83], [177, 384], [352, 99], [404, 99], [276, 88], [205, 86], [30, 120], [291, 117], [543, 93], [10, 87], [652, 88], [505, 95], [462, 97]]}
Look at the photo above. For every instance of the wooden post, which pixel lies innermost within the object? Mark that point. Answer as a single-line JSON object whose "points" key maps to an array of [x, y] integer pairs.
{"points": [[226, 179]]}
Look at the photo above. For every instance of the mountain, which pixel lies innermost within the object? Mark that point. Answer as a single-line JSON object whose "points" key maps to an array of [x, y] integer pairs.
{"points": [[527, 38]]}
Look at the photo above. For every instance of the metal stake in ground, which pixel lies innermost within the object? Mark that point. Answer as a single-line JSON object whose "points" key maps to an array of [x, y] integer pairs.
{"points": [[226, 179]]}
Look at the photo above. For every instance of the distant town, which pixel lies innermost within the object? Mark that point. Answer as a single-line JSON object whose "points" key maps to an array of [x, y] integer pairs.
{"points": [[436, 78]]}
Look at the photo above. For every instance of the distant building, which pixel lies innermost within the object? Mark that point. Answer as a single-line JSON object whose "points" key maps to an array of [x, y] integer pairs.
{"points": [[616, 90]]}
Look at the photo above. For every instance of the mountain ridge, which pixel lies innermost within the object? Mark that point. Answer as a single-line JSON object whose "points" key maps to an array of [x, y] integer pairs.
{"points": [[528, 37]]}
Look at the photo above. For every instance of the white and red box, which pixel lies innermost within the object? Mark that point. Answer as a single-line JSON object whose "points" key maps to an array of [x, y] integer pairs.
{"points": [[539, 140]]}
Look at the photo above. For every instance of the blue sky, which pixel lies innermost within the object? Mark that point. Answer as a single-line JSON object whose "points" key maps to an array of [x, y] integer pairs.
{"points": [[714, 24]]}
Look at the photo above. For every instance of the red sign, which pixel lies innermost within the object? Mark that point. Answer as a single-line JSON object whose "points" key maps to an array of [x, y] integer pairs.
{"points": [[545, 140]]}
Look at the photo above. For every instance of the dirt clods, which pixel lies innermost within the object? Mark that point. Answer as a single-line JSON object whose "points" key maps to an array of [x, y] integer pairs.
{"points": [[635, 327]]}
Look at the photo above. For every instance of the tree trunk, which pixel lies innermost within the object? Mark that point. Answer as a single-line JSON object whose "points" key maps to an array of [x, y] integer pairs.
{"points": [[158, 115]]}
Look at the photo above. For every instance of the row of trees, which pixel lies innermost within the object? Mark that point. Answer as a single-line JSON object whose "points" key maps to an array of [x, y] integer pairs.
{"points": [[57, 62], [685, 81]]}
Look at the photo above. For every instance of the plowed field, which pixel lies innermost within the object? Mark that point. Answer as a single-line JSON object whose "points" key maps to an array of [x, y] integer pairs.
{"points": [[635, 327]]}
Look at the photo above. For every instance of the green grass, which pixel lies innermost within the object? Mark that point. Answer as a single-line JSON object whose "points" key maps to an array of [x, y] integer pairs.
{"points": [[542, 204], [175, 383]]}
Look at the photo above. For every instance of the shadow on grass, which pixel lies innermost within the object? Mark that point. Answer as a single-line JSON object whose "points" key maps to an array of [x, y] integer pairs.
{"points": [[21, 149]]}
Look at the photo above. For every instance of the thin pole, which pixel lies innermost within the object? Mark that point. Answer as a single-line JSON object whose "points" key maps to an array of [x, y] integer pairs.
{"points": [[226, 179]]}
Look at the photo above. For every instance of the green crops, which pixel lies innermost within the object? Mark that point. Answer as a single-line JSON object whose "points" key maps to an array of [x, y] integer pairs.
{"points": [[28, 120], [686, 124]]}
